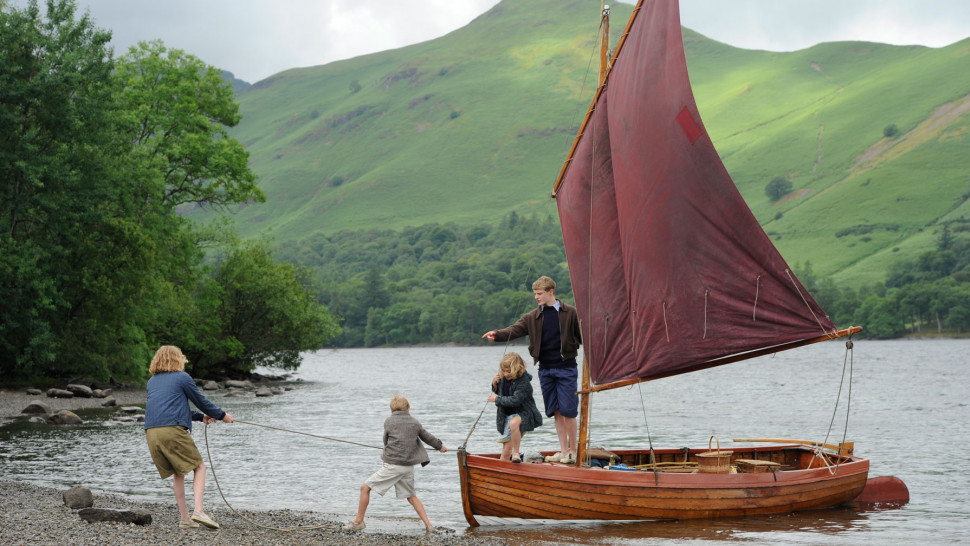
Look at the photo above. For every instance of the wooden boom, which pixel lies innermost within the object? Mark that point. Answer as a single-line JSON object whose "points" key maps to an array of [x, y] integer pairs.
{"points": [[842, 449]]}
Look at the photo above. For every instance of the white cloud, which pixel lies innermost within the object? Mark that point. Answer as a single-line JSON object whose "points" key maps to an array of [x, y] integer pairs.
{"points": [[257, 38]]}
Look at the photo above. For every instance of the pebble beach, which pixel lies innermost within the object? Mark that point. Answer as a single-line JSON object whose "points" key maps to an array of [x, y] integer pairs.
{"points": [[37, 515]]}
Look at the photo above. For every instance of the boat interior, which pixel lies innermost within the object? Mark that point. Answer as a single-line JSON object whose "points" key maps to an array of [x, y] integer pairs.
{"points": [[719, 461]]}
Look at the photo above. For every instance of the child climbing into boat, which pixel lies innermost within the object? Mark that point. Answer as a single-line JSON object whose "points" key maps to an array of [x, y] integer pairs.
{"points": [[515, 409], [168, 428], [403, 435]]}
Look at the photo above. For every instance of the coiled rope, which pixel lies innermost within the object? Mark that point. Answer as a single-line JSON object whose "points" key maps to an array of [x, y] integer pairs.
{"points": [[236, 512]]}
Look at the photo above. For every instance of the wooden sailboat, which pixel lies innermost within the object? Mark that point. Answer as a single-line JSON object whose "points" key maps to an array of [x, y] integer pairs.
{"points": [[672, 274]]}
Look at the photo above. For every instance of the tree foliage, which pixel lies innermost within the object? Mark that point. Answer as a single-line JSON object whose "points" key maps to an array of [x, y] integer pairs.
{"points": [[96, 266], [778, 187], [64, 243], [928, 295], [268, 313], [433, 283]]}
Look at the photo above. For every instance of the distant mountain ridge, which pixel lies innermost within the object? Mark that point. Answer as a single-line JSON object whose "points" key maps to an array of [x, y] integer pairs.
{"points": [[475, 124]]}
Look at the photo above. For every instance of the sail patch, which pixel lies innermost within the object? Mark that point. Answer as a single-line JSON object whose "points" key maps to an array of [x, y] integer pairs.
{"points": [[689, 126]]}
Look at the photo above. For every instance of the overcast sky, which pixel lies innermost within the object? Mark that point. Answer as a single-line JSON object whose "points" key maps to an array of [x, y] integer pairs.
{"points": [[255, 39]]}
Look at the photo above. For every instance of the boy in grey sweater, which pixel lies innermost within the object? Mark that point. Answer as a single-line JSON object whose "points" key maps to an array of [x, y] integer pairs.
{"points": [[403, 435]]}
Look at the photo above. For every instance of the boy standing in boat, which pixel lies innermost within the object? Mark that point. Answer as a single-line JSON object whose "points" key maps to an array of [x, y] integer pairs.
{"points": [[403, 435], [554, 340]]}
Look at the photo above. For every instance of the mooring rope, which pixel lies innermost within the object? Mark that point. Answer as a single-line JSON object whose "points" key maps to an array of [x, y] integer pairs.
{"points": [[308, 434], [212, 467], [234, 511], [465, 443], [528, 274]]}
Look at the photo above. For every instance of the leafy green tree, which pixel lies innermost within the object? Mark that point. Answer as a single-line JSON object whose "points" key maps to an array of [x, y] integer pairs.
{"points": [[880, 317], [779, 187], [96, 266], [72, 256], [959, 317], [268, 314], [177, 111], [946, 238]]}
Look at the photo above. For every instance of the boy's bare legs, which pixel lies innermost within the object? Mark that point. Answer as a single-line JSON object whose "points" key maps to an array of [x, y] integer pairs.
{"points": [[506, 454], [561, 432], [516, 427], [198, 487], [419, 508], [178, 483], [567, 431], [572, 433], [365, 500]]}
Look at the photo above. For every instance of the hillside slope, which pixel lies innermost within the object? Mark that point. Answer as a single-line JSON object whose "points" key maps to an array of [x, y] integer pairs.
{"points": [[472, 125]]}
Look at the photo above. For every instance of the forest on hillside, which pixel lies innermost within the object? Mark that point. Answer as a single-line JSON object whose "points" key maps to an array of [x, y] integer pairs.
{"points": [[446, 283], [437, 283]]}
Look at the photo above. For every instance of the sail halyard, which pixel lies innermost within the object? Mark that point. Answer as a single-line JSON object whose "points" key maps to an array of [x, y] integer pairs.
{"points": [[669, 267]]}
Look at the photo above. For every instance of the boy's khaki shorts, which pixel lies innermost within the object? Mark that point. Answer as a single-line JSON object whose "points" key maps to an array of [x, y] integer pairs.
{"points": [[400, 477], [173, 450]]}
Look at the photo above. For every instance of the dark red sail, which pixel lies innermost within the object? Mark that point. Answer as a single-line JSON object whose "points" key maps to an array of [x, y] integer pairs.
{"points": [[670, 269]]}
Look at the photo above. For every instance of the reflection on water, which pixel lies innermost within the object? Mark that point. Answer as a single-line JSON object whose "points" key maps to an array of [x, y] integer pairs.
{"points": [[819, 523], [910, 417]]}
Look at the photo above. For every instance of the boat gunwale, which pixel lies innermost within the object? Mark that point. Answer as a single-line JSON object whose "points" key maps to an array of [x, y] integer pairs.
{"points": [[851, 465]]}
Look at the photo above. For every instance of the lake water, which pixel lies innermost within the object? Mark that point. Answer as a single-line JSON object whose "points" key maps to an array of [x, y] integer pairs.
{"points": [[909, 416]]}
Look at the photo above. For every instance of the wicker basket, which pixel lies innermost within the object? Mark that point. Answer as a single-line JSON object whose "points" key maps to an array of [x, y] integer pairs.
{"points": [[714, 462]]}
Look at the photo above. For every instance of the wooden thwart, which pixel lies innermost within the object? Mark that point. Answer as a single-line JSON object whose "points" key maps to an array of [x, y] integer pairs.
{"points": [[754, 466]]}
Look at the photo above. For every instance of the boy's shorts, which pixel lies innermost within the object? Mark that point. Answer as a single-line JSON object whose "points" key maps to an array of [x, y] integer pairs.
{"points": [[173, 450], [401, 477], [507, 431], [559, 391]]}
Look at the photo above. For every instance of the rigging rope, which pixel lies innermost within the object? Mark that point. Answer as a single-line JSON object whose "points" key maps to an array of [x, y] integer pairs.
{"points": [[757, 288], [810, 310], [846, 363], [653, 455]]}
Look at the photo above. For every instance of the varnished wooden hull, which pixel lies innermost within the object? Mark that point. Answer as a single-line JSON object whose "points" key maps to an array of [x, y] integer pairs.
{"points": [[496, 489]]}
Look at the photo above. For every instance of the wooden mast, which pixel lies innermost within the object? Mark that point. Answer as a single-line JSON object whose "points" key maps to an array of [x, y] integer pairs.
{"points": [[585, 384]]}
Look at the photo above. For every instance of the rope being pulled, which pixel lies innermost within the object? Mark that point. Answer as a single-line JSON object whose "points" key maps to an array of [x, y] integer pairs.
{"points": [[308, 434], [234, 511], [289, 529]]}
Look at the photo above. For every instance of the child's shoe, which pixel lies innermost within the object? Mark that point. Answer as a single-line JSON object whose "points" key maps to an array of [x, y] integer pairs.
{"points": [[204, 519]]}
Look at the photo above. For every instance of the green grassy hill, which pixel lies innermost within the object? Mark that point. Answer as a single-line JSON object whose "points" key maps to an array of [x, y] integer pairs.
{"points": [[472, 125]]}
